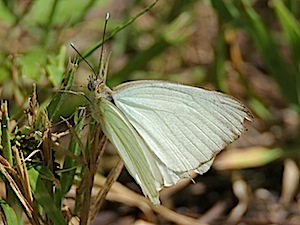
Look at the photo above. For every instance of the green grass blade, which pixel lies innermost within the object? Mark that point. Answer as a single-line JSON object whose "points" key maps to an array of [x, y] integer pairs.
{"points": [[219, 63], [293, 6], [139, 61], [118, 29], [10, 215], [43, 197], [291, 28], [175, 34], [75, 148], [56, 67], [226, 10], [5, 133], [5, 143], [282, 73], [59, 97]]}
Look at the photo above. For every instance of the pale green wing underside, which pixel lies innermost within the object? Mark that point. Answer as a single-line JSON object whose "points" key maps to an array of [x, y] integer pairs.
{"points": [[132, 149], [184, 127]]}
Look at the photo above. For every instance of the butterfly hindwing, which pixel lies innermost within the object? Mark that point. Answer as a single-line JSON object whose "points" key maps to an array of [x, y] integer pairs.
{"points": [[132, 149]]}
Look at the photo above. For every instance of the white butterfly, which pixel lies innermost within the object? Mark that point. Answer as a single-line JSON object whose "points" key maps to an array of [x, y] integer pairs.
{"points": [[162, 130]]}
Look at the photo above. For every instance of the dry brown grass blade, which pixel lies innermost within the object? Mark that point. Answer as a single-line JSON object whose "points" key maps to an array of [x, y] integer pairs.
{"points": [[22, 171], [290, 182], [215, 212], [74, 134], [142, 222], [120, 193], [246, 158], [15, 188], [242, 192], [47, 142], [111, 179], [95, 151], [87, 183], [167, 193], [32, 111], [23, 181]]}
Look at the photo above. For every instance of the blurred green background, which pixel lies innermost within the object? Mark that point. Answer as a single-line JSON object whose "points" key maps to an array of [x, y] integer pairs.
{"points": [[249, 49]]}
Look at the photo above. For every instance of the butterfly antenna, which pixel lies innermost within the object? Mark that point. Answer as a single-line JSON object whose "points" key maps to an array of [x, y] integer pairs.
{"points": [[102, 49], [73, 46]]}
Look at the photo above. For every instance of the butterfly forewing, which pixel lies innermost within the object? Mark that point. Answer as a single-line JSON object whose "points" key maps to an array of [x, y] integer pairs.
{"points": [[184, 127]]}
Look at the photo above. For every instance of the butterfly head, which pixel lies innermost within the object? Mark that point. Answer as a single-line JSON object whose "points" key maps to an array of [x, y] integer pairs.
{"points": [[97, 85], [93, 82]]}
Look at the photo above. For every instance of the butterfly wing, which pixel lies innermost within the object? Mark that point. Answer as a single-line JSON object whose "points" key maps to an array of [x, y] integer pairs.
{"points": [[132, 149], [183, 126]]}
